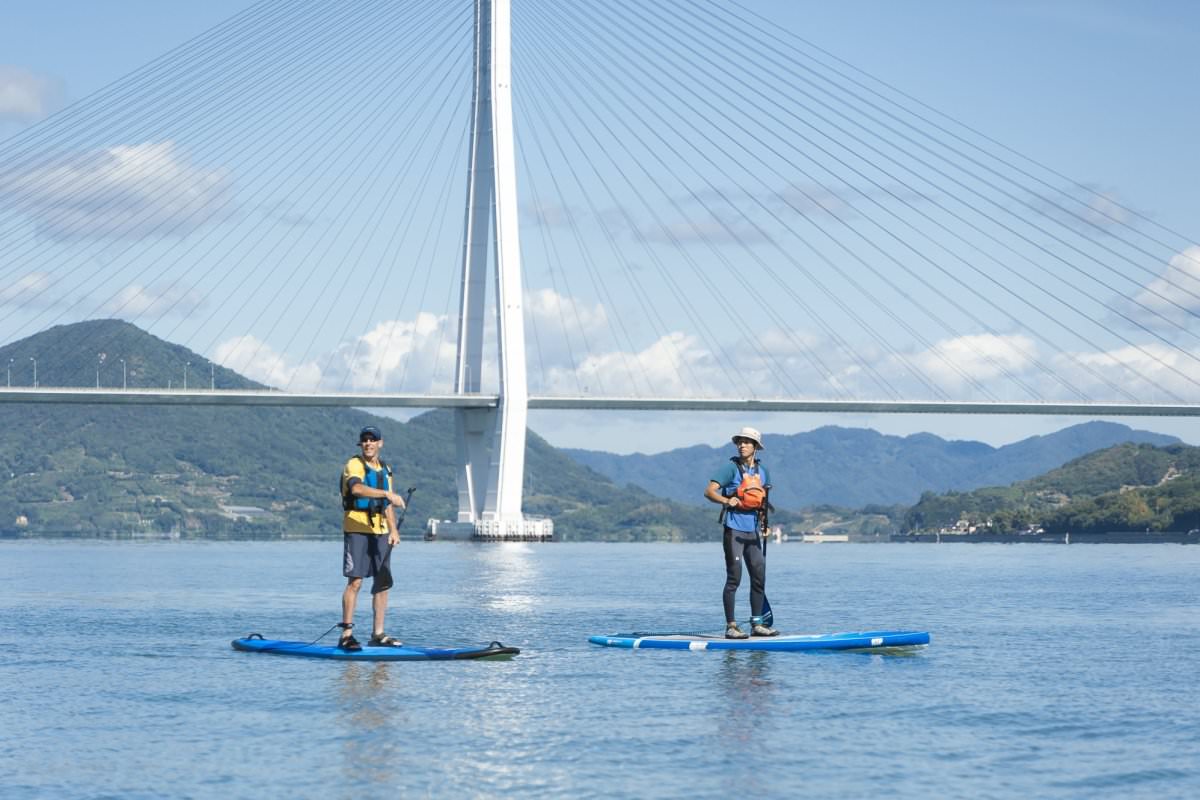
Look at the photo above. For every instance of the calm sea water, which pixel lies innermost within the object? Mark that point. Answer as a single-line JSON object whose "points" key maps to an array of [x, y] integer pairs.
{"points": [[1055, 671]]}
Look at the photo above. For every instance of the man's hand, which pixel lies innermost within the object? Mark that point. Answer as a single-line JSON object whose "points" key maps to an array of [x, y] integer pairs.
{"points": [[395, 499]]}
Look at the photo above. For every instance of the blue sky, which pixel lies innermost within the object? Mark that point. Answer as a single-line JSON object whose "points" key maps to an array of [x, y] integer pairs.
{"points": [[1101, 91]]}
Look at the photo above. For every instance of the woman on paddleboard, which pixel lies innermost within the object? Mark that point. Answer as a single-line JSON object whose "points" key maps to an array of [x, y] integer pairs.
{"points": [[369, 534], [741, 486]]}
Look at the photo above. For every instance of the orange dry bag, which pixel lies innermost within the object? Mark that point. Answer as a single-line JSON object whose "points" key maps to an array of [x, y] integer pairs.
{"points": [[751, 493]]}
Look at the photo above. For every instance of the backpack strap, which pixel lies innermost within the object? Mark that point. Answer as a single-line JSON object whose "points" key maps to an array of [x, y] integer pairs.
{"points": [[741, 474]]}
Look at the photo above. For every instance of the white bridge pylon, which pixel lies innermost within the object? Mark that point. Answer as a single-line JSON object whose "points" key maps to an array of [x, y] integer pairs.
{"points": [[490, 479]]}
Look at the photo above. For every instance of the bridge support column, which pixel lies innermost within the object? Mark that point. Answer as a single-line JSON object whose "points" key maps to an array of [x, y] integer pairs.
{"points": [[491, 442]]}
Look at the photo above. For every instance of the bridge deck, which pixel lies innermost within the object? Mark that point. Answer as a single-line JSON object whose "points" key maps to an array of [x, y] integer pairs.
{"points": [[585, 402]]}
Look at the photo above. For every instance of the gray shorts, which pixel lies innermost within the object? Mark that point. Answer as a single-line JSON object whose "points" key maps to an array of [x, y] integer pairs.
{"points": [[368, 555]]}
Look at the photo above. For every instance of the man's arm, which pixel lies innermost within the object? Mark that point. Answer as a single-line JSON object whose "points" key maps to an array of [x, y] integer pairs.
{"points": [[713, 493], [360, 489]]}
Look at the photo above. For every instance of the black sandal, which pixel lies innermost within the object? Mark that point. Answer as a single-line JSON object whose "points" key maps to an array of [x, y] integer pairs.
{"points": [[348, 642], [383, 640]]}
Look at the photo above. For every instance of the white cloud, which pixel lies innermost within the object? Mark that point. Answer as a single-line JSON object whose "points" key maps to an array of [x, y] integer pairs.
{"points": [[673, 365], [24, 96], [811, 201], [135, 300], [396, 356], [679, 364], [417, 356], [28, 289], [982, 357], [549, 215], [258, 361], [127, 191], [1177, 290], [1105, 211], [558, 326], [1085, 210], [1148, 372]]}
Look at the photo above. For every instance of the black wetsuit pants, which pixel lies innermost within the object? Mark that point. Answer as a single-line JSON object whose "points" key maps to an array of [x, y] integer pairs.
{"points": [[737, 551]]}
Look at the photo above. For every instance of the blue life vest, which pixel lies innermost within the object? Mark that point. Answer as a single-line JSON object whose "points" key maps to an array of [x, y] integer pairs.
{"points": [[375, 478]]}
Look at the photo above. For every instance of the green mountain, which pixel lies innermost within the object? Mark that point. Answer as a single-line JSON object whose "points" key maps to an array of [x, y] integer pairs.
{"points": [[1126, 487], [244, 471], [85, 354], [853, 468]]}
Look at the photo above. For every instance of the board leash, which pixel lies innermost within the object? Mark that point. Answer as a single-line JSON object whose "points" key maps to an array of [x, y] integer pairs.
{"points": [[306, 644]]}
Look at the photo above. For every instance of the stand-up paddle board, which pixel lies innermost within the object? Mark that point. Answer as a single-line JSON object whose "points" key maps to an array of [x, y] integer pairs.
{"points": [[254, 643], [863, 640]]}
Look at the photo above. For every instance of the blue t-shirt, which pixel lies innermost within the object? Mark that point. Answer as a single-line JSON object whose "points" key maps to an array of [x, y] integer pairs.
{"points": [[728, 477]]}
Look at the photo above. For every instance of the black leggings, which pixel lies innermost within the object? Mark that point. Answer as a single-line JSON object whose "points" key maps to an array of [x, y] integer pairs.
{"points": [[737, 551]]}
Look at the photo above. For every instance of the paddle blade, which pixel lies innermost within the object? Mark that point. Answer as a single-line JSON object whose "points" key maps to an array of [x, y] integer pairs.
{"points": [[383, 581]]}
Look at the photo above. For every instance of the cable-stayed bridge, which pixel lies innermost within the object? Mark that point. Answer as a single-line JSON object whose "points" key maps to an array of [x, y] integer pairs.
{"points": [[681, 205]]}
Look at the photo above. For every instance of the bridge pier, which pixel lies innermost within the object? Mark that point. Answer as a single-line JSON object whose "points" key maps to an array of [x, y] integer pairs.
{"points": [[491, 441]]}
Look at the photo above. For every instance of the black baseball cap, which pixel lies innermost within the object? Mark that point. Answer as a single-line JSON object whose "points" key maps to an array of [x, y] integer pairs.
{"points": [[369, 432]]}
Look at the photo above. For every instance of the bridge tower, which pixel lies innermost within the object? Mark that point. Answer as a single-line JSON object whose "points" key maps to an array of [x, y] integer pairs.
{"points": [[491, 441]]}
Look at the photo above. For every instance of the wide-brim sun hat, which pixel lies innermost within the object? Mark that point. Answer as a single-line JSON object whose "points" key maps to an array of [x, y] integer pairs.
{"points": [[749, 433]]}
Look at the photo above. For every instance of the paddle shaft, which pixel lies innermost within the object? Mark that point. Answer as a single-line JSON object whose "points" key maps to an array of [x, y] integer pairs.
{"points": [[403, 511], [385, 576], [768, 616]]}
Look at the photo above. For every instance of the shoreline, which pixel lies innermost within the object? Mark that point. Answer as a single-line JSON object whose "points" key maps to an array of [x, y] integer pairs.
{"points": [[1111, 537]]}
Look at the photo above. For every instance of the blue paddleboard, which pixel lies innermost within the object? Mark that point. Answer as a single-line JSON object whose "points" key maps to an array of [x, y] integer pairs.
{"points": [[256, 644], [862, 640]]}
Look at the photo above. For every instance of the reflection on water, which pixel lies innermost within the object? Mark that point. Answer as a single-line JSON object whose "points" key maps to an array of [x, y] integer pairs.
{"points": [[512, 603], [373, 723], [749, 693], [509, 578], [749, 718]]}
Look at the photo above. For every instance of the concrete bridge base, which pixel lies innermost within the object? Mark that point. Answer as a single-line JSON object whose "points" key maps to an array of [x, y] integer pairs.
{"points": [[527, 529]]}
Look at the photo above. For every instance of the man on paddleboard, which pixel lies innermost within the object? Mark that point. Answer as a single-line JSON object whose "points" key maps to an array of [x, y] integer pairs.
{"points": [[369, 534], [741, 486]]}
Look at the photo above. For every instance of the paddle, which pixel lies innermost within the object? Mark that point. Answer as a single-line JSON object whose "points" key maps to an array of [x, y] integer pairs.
{"points": [[385, 577], [407, 497], [768, 616]]}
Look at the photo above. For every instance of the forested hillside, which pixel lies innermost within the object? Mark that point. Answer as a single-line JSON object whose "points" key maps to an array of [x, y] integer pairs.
{"points": [[221, 471], [1127, 487]]}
